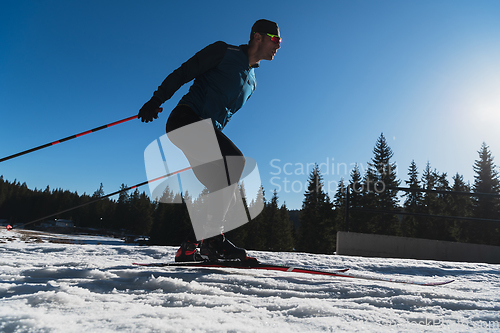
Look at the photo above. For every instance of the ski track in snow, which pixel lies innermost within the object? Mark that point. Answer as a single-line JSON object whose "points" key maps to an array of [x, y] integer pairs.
{"points": [[61, 283]]}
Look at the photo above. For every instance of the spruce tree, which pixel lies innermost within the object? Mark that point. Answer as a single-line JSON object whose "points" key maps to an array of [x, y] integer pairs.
{"points": [[122, 209], [358, 219], [487, 181], [141, 213], [316, 232], [171, 223], [412, 203], [442, 226], [413, 199], [339, 204], [429, 180], [255, 233], [268, 224], [159, 232], [357, 188], [238, 236], [278, 235], [3, 190], [285, 231], [380, 176], [429, 202], [461, 206], [98, 209]]}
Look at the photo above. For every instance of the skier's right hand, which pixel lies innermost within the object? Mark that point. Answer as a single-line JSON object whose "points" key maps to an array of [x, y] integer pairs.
{"points": [[150, 110]]}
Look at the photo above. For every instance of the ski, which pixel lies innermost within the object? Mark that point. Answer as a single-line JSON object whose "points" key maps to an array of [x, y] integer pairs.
{"points": [[382, 279], [257, 265], [247, 264]]}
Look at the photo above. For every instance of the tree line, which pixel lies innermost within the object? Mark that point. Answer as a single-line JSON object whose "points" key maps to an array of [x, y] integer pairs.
{"points": [[374, 207], [373, 193], [135, 213], [130, 212]]}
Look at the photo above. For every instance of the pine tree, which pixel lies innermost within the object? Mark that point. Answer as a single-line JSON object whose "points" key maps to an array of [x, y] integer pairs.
{"points": [[429, 183], [178, 223], [380, 176], [316, 232], [339, 204], [255, 229], [141, 213], [3, 190], [412, 203], [279, 235], [98, 193], [286, 231], [442, 226], [487, 180], [122, 209], [358, 219], [356, 184], [413, 199], [171, 223], [461, 206], [97, 211], [429, 202], [238, 236]]}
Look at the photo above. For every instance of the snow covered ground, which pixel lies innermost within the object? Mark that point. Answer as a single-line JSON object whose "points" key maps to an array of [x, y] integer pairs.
{"points": [[58, 283]]}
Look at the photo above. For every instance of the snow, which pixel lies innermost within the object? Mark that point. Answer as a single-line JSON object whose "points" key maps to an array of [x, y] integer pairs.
{"points": [[60, 283]]}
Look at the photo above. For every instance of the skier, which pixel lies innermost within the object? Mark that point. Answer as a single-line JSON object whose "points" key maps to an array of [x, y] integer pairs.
{"points": [[224, 79]]}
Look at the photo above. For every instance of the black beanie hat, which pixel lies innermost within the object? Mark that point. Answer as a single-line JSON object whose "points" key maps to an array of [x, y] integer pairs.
{"points": [[266, 27]]}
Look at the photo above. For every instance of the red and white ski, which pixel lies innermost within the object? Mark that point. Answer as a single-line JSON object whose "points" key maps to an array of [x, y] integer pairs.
{"points": [[252, 264], [247, 264]]}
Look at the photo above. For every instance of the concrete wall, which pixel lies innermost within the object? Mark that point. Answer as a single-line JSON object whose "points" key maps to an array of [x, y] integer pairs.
{"points": [[365, 245]]}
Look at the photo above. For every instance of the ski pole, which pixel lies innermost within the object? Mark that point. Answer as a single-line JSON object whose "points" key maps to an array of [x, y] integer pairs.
{"points": [[70, 137], [9, 227]]}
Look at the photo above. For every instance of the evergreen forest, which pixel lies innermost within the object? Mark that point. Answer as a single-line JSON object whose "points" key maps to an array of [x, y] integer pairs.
{"points": [[431, 207]]}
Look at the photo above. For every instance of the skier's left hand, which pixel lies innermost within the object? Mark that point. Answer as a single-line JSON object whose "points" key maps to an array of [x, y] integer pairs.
{"points": [[150, 110]]}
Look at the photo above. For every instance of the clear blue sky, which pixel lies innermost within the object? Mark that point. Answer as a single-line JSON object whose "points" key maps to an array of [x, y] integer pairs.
{"points": [[424, 73]]}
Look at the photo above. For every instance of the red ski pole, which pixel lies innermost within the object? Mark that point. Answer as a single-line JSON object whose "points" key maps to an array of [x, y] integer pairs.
{"points": [[70, 137]]}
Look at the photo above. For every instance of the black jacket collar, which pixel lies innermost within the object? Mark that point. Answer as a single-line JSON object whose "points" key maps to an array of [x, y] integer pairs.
{"points": [[244, 48]]}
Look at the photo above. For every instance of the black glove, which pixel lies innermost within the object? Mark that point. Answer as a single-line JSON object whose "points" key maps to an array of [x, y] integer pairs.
{"points": [[149, 110]]}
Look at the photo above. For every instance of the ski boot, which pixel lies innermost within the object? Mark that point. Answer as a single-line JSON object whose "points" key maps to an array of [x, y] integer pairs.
{"points": [[188, 252], [219, 247]]}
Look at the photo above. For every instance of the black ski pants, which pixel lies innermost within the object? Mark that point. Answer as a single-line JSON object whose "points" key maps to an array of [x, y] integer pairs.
{"points": [[183, 115]]}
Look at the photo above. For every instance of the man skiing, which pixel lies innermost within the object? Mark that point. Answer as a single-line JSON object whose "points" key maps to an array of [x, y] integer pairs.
{"points": [[224, 79]]}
